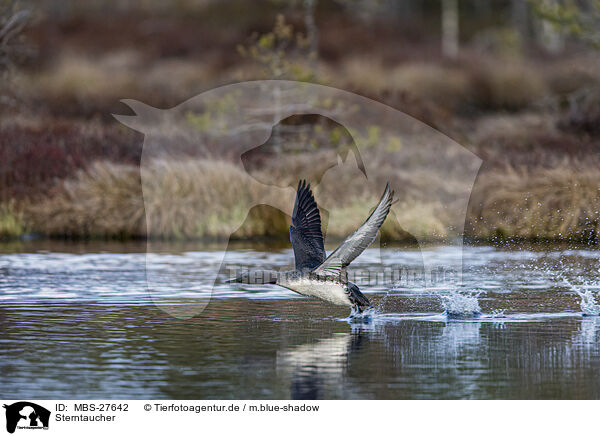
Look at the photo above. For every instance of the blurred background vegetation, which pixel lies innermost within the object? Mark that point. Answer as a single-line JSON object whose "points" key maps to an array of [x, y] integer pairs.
{"points": [[517, 82]]}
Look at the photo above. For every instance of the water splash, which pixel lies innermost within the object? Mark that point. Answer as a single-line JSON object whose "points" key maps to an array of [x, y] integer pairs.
{"points": [[461, 304], [588, 304], [363, 317], [587, 294], [498, 313]]}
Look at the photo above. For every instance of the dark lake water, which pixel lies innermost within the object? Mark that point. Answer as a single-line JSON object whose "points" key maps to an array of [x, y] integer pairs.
{"points": [[77, 321]]}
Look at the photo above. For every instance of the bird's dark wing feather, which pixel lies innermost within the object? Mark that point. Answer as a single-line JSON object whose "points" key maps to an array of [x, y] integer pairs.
{"points": [[305, 231], [335, 265]]}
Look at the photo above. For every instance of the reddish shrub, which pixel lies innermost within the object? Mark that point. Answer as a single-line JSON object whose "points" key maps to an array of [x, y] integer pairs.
{"points": [[34, 156]]}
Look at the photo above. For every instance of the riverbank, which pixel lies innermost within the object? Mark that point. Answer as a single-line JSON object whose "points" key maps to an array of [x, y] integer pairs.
{"points": [[71, 171], [105, 202]]}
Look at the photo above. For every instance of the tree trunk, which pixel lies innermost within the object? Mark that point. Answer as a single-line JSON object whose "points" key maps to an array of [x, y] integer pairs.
{"points": [[450, 28], [312, 32], [519, 17], [550, 36]]}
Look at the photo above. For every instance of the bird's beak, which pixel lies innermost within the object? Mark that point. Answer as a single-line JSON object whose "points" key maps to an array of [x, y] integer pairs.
{"points": [[231, 281]]}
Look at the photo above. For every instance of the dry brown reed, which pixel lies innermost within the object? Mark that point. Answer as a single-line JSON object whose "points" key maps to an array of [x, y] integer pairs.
{"points": [[543, 203]]}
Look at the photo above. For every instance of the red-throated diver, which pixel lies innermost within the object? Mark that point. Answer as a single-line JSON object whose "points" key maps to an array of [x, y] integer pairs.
{"points": [[316, 275]]}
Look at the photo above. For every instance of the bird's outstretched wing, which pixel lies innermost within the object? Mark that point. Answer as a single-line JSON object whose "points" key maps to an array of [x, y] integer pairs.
{"points": [[335, 265], [305, 231]]}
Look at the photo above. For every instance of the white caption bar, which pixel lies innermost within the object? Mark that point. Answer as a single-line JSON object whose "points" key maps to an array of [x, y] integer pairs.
{"points": [[159, 417]]}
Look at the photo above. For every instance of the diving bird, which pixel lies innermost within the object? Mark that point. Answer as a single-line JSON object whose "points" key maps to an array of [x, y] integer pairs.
{"points": [[315, 274]]}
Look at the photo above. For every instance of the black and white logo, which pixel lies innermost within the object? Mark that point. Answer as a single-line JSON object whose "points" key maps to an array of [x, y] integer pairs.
{"points": [[26, 415]]}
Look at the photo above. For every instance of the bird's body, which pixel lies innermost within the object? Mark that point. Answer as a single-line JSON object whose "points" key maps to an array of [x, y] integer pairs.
{"points": [[315, 274], [333, 291]]}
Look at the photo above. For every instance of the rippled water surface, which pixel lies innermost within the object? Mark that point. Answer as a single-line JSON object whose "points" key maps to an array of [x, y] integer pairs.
{"points": [[78, 321]]}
